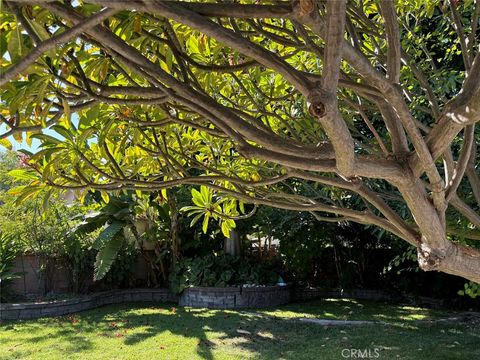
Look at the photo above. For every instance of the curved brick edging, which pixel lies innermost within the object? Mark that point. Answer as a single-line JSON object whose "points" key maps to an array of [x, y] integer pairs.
{"points": [[64, 307], [209, 297], [235, 297]]}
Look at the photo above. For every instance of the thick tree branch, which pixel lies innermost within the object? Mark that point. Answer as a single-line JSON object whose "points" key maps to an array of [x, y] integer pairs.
{"points": [[231, 10], [323, 102]]}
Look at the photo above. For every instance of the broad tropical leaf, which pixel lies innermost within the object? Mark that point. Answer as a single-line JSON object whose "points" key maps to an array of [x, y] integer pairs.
{"points": [[106, 256]]}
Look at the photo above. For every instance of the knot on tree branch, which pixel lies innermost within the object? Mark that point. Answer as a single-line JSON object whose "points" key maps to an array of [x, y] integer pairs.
{"points": [[437, 187], [318, 103], [304, 7], [428, 259], [356, 182], [317, 109]]}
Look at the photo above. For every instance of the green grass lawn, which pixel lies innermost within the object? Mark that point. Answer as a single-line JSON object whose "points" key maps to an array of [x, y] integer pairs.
{"points": [[142, 331]]}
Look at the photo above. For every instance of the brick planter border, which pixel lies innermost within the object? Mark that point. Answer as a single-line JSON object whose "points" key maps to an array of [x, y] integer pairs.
{"points": [[205, 297], [69, 306], [235, 297]]}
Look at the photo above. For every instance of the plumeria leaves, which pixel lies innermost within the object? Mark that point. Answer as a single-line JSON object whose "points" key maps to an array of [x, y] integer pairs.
{"points": [[208, 206]]}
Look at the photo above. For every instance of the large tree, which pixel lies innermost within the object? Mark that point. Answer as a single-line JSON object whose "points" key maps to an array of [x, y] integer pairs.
{"points": [[301, 105]]}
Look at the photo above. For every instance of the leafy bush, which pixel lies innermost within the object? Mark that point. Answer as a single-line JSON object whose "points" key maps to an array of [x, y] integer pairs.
{"points": [[471, 289], [8, 253], [78, 257], [122, 270], [220, 271], [125, 222]]}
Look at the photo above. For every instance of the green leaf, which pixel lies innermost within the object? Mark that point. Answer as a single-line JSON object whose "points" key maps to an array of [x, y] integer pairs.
{"points": [[22, 174], [46, 200], [46, 139], [169, 60], [225, 229], [39, 30], [122, 214], [196, 218], [15, 46], [205, 223], [206, 194], [28, 139], [67, 119], [86, 135], [106, 256], [107, 234], [25, 192], [105, 197], [192, 45], [6, 143], [197, 198], [62, 130]]}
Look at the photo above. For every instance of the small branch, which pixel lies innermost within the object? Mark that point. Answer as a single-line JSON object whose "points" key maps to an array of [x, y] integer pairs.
{"points": [[393, 39], [458, 26], [472, 36], [462, 163], [465, 210], [369, 124], [472, 174]]}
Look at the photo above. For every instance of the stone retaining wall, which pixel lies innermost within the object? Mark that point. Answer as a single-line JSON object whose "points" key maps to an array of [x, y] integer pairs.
{"points": [[64, 307], [209, 297], [235, 297]]}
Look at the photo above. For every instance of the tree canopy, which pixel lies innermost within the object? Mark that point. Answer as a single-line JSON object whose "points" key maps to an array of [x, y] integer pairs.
{"points": [[361, 111]]}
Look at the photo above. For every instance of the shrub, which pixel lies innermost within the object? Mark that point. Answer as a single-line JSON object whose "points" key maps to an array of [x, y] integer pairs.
{"points": [[8, 253], [220, 271]]}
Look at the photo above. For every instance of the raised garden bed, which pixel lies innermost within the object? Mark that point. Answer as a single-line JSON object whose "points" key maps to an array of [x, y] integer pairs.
{"points": [[204, 297], [63, 307], [231, 297], [235, 297]]}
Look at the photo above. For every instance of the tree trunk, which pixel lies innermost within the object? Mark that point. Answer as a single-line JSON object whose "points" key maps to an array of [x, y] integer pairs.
{"points": [[435, 251], [232, 244], [172, 203]]}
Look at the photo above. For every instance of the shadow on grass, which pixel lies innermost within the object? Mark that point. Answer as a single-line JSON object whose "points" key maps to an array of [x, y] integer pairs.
{"points": [[262, 333], [234, 328], [349, 309]]}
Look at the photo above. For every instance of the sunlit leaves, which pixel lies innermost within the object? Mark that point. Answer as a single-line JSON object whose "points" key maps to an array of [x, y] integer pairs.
{"points": [[208, 207], [23, 174], [6, 144], [15, 46], [471, 289]]}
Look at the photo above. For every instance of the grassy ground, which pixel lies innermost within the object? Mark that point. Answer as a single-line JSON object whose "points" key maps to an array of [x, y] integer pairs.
{"points": [[140, 331]]}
